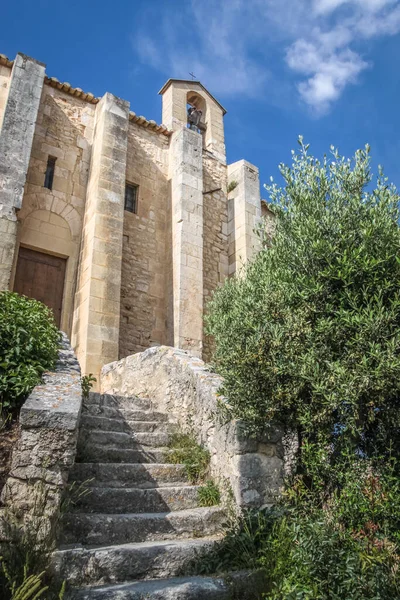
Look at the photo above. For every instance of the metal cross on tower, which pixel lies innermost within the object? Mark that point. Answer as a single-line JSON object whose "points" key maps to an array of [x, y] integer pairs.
{"points": [[193, 76]]}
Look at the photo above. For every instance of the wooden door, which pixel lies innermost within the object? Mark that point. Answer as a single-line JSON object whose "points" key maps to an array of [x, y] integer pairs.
{"points": [[41, 276]]}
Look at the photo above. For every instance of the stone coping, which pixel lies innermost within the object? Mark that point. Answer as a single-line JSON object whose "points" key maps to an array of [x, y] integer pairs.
{"points": [[56, 402]]}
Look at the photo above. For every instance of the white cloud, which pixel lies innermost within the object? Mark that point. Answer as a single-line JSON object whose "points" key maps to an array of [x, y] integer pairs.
{"points": [[327, 58], [328, 74], [235, 47]]}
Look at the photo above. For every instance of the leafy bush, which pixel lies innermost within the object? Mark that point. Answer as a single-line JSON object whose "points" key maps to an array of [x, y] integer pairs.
{"points": [[309, 336], [185, 450], [29, 341], [347, 548]]}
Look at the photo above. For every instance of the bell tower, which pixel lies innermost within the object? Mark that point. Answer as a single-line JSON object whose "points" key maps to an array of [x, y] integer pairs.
{"points": [[180, 94]]}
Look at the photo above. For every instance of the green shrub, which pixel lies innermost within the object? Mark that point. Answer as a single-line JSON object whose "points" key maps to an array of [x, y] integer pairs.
{"points": [[185, 450], [312, 552], [209, 494], [29, 342], [309, 335]]}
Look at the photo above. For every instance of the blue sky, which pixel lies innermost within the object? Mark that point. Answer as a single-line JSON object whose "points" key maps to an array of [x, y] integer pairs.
{"points": [[326, 69]]}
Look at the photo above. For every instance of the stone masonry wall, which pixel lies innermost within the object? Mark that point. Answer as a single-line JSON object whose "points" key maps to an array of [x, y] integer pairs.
{"points": [[51, 220], [96, 326], [144, 273], [180, 384], [46, 447], [16, 135], [5, 75], [215, 222]]}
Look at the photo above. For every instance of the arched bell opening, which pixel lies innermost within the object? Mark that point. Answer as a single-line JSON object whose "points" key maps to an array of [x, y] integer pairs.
{"points": [[196, 113]]}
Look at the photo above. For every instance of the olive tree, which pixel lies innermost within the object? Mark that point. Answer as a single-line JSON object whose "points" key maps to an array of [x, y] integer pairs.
{"points": [[308, 335]]}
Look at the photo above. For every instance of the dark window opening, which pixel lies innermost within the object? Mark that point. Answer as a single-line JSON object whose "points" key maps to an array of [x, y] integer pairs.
{"points": [[48, 180], [131, 195]]}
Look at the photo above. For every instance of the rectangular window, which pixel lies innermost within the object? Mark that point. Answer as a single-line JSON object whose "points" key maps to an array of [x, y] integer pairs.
{"points": [[131, 196], [48, 180]]}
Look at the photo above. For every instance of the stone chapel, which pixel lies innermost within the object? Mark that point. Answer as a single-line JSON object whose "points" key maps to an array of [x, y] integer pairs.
{"points": [[123, 227]]}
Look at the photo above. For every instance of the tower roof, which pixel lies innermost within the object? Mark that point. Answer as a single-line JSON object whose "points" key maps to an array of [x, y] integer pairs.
{"points": [[190, 81]]}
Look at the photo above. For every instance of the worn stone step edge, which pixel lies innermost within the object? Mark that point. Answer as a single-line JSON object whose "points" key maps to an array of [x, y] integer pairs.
{"points": [[138, 500], [115, 401], [111, 454], [102, 529], [243, 585], [122, 440], [91, 422], [134, 474], [132, 415], [127, 562]]}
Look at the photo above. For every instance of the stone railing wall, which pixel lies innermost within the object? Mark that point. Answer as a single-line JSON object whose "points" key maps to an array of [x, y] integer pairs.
{"points": [[46, 448], [183, 386]]}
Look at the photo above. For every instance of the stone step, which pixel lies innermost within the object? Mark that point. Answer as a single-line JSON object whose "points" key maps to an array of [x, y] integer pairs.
{"points": [[124, 426], [127, 562], [128, 500], [121, 402], [242, 585], [121, 413], [128, 475], [101, 529], [122, 440], [89, 452]]}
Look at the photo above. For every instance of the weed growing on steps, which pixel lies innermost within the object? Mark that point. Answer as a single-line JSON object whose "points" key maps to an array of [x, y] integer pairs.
{"points": [[31, 588], [87, 382], [184, 450], [209, 494]]}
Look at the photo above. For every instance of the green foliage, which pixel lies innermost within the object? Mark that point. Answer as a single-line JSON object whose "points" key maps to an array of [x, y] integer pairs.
{"points": [[31, 586], [29, 342], [346, 548], [26, 548], [232, 185], [208, 494], [309, 335], [185, 450], [87, 384]]}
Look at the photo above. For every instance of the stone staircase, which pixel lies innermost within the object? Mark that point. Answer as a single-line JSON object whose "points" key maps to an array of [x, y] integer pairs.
{"points": [[131, 536]]}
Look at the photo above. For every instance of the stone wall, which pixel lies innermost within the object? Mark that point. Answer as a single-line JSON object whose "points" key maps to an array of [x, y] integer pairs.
{"points": [[18, 125], [215, 222], [46, 448], [5, 75], [181, 384], [244, 214], [187, 237], [51, 220], [95, 334], [144, 272]]}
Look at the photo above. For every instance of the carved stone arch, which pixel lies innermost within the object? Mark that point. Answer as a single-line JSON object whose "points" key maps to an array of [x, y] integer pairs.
{"points": [[194, 98], [33, 202], [53, 232]]}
